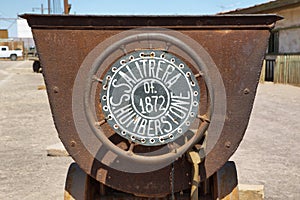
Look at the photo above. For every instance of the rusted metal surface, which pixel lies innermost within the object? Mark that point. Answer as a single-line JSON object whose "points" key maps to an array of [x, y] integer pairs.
{"points": [[76, 183], [236, 44], [79, 185], [223, 184], [226, 183], [90, 22]]}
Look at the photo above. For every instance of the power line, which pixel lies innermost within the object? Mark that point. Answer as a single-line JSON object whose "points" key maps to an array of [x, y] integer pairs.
{"points": [[8, 22], [2, 13], [7, 18], [11, 25], [41, 8]]}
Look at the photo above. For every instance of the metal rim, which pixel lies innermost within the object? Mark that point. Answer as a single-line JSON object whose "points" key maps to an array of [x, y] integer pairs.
{"points": [[170, 157]]}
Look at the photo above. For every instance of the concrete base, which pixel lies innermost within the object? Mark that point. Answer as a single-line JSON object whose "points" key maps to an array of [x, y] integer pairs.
{"points": [[57, 150], [251, 192]]}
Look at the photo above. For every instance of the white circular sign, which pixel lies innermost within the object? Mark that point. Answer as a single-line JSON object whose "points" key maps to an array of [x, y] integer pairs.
{"points": [[150, 97]]}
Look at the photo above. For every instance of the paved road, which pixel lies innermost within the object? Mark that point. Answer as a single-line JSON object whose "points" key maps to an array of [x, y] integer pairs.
{"points": [[26, 129], [269, 153]]}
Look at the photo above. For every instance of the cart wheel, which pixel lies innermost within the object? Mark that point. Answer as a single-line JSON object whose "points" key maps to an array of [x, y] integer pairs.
{"points": [[13, 57], [79, 185], [36, 66], [177, 137]]}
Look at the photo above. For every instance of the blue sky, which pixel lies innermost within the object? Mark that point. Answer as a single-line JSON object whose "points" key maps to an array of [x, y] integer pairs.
{"points": [[11, 8]]}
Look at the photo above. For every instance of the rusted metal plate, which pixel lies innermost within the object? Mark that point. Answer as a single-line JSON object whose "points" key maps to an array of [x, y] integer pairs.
{"points": [[236, 44], [90, 22]]}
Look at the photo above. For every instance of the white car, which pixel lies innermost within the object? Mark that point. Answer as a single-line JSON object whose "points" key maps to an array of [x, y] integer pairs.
{"points": [[12, 54]]}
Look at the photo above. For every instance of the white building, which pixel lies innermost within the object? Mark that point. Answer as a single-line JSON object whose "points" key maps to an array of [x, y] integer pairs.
{"points": [[24, 33], [23, 30]]}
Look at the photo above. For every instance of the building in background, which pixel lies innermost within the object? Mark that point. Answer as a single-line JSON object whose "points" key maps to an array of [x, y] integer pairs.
{"points": [[282, 63], [17, 30], [10, 42], [285, 37], [24, 33], [23, 30], [3, 33], [23, 39]]}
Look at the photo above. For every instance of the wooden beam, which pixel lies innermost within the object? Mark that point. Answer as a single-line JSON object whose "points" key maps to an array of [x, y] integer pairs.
{"points": [[66, 7]]}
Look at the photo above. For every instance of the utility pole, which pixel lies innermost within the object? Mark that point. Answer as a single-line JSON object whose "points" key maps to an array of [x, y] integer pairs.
{"points": [[42, 8], [49, 7], [67, 7]]}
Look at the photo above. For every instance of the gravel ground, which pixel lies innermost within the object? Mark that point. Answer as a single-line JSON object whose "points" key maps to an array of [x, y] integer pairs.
{"points": [[270, 151], [268, 155], [26, 129]]}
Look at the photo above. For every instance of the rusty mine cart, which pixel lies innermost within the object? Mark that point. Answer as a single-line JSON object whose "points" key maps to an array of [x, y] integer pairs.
{"points": [[151, 107]]}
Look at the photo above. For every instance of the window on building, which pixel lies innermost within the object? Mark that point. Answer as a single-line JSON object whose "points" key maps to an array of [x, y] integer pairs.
{"points": [[274, 42]]}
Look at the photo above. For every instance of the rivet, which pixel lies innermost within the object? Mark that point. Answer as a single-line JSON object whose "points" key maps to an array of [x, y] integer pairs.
{"points": [[73, 143], [55, 89], [246, 91], [227, 144]]}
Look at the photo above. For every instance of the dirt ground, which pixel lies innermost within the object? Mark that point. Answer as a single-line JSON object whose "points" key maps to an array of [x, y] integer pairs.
{"points": [[268, 155], [270, 151], [26, 129]]}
